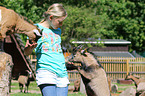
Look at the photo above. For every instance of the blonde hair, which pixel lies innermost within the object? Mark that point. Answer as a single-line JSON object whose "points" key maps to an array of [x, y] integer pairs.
{"points": [[56, 10]]}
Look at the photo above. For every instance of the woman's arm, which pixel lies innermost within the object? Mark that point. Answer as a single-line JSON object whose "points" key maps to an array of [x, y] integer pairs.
{"points": [[29, 47]]}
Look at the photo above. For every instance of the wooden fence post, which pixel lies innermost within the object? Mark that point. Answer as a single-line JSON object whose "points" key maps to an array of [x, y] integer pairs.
{"points": [[127, 66]]}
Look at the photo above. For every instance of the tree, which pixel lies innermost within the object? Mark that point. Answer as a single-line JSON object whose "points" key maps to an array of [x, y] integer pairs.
{"points": [[127, 21], [80, 23], [106, 19]]}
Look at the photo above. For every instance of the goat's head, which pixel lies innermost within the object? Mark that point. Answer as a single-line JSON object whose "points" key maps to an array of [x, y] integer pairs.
{"points": [[86, 59], [130, 76], [38, 33], [29, 73], [78, 52]]}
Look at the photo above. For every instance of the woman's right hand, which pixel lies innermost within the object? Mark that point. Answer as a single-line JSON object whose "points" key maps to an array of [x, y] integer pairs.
{"points": [[29, 47], [33, 45]]}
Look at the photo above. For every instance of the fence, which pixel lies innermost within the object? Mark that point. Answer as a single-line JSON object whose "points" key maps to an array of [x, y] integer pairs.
{"points": [[74, 74], [120, 67], [115, 67]]}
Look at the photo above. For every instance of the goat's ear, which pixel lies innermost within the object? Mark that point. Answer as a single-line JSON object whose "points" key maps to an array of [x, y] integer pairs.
{"points": [[83, 52], [86, 49]]}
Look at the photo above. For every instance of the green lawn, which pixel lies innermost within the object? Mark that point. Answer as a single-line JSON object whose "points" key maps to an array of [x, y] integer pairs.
{"points": [[34, 90], [122, 87]]}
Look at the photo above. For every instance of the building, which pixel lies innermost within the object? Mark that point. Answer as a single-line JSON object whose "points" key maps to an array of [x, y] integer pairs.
{"points": [[110, 48]]}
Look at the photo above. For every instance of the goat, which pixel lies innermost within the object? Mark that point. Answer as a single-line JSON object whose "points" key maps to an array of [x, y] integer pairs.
{"points": [[24, 81], [142, 94], [76, 85], [11, 22], [93, 75], [139, 83], [135, 79]]}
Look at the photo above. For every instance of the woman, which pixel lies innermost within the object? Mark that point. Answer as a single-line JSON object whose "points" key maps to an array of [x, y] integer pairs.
{"points": [[51, 73]]}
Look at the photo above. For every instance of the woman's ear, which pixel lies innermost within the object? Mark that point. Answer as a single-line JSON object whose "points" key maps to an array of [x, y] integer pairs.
{"points": [[50, 17]]}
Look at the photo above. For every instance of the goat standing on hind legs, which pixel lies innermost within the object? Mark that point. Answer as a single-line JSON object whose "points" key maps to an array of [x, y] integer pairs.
{"points": [[93, 75], [24, 81], [139, 83], [11, 22]]}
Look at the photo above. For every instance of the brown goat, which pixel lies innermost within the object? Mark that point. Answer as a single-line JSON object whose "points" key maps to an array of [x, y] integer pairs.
{"points": [[24, 81], [77, 85], [93, 75], [11, 22], [139, 83], [135, 79]]}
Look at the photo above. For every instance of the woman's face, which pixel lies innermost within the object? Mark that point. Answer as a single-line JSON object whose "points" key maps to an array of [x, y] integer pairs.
{"points": [[57, 22]]}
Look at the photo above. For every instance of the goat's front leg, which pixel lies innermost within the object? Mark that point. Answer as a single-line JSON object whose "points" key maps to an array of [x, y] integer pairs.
{"points": [[84, 73]]}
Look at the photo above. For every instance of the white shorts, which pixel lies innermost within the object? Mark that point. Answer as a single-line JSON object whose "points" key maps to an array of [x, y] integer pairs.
{"points": [[46, 77]]}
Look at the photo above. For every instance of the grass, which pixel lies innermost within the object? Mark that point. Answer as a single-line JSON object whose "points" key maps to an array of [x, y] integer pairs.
{"points": [[123, 87], [16, 92], [35, 91], [32, 86], [34, 94], [26, 94], [76, 94]]}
